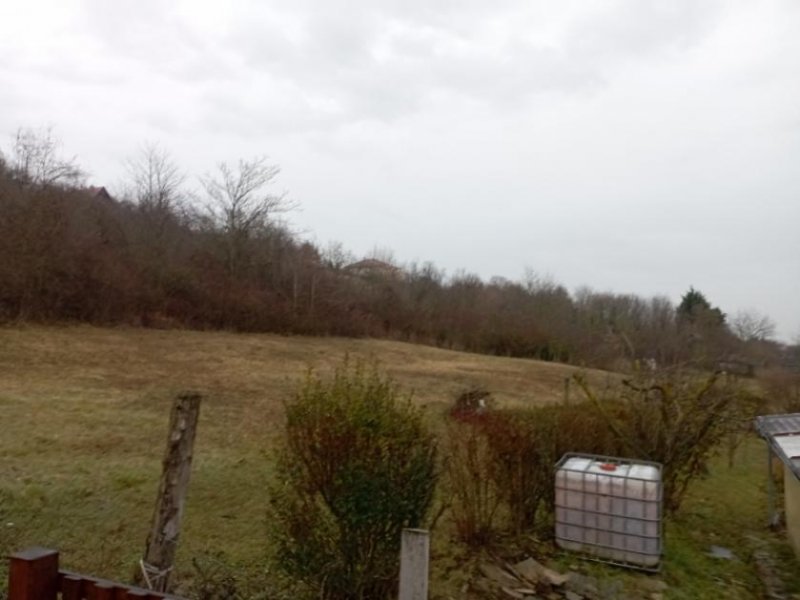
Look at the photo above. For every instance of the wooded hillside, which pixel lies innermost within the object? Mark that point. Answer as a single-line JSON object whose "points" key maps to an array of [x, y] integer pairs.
{"points": [[162, 256]]}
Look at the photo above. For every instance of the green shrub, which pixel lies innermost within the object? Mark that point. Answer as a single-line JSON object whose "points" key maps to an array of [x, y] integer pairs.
{"points": [[357, 466]]}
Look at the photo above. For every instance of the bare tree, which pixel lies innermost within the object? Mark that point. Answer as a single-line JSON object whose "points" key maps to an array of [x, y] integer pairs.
{"points": [[156, 180], [335, 256], [752, 325], [538, 283], [240, 205], [35, 159], [156, 185], [382, 254]]}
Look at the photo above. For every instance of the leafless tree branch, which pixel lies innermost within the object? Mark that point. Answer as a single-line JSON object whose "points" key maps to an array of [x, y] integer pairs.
{"points": [[35, 159]]}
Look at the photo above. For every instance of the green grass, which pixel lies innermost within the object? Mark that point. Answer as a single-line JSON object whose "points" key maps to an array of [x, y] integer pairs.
{"points": [[83, 423], [83, 415], [729, 509]]}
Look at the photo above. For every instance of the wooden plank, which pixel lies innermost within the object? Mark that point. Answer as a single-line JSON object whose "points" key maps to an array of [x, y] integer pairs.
{"points": [[414, 551], [33, 575], [71, 587], [120, 592], [101, 590]]}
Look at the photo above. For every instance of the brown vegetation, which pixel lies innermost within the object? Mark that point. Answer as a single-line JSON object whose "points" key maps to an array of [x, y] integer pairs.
{"points": [[500, 462], [160, 256]]}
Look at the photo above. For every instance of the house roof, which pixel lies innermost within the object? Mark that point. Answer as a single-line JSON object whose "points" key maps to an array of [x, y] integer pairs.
{"points": [[372, 263], [373, 266], [98, 192], [782, 433]]}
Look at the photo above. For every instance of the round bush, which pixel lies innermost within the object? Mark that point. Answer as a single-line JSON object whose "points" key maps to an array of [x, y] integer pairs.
{"points": [[357, 466]]}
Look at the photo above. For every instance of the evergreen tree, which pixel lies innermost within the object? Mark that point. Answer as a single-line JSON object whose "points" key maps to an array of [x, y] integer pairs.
{"points": [[694, 307]]}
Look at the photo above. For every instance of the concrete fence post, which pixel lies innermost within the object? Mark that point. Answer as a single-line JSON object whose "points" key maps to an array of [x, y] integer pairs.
{"points": [[414, 551]]}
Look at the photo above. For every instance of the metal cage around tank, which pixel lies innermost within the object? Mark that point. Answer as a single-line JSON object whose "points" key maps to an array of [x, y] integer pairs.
{"points": [[610, 509]]}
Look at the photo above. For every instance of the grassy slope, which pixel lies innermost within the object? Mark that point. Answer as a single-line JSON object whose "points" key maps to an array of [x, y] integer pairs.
{"points": [[83, 415]]}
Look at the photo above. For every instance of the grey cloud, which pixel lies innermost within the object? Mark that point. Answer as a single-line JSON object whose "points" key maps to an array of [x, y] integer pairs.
{"points": [[633, 29], [379, 64], [155, 38]]}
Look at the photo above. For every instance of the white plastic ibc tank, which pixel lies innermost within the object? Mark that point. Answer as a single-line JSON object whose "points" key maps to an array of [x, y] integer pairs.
{"points": [[609, 508]]}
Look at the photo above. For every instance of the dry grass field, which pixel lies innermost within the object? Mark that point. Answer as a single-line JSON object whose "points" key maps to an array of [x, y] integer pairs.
{"points": [[83, 415]]}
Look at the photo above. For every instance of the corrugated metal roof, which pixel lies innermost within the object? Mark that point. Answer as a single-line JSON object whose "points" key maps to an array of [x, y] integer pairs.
{"points": [[790, 444], [778, 424], [782, 433]]}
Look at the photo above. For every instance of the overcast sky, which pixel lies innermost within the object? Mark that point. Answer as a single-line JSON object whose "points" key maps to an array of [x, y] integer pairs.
{"points": [[634, 146]]}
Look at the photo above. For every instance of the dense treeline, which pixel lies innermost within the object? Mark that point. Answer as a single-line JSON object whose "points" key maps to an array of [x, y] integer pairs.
{"points": [[222, 258]]}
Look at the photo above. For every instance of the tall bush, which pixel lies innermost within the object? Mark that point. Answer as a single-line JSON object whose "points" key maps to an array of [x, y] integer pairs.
{"points": [[500, 463], [679, 420], [474, 498], [526, 444], [357, 466]]}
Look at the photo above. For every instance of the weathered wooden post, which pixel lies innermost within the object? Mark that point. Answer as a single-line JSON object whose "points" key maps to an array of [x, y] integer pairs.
{"points": [[414, 550], [162, 541], [33, 575]]}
